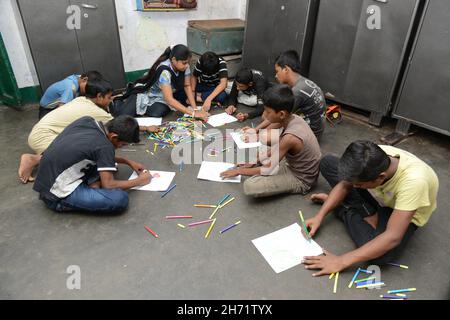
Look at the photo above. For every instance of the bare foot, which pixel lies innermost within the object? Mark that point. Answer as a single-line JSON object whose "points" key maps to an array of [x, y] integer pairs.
{"points": [[319, 197], [27, 163]]}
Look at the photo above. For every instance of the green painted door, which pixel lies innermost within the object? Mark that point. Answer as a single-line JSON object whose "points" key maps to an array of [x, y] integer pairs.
{"points": [[9, 92]]}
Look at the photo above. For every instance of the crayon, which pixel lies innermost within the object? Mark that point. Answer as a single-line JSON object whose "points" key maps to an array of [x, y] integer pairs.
{"points": [[229, 227], [151, 231], [168, 190]]}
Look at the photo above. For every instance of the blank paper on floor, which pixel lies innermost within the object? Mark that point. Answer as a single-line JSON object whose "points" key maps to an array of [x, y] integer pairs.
{"points": [[285, 248], [220, 119], [160, 182], [147, 121], [211, 171]]}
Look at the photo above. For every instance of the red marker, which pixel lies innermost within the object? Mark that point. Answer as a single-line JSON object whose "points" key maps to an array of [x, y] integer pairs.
{"points": [[151, 231]]}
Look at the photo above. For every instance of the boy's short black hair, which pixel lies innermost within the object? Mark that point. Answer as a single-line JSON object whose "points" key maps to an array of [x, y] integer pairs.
{"points": [[289, 59], [210, 62], [279, 97], [244, 76], [96, 86], [363, 161], [92, 75], [126, 128]]}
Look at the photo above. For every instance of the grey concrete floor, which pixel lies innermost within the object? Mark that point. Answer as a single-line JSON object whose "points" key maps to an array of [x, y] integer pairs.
{"points": [[119, 259]]}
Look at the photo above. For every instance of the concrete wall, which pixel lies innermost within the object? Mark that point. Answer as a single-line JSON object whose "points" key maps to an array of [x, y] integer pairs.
{"points": [[143, 35]]}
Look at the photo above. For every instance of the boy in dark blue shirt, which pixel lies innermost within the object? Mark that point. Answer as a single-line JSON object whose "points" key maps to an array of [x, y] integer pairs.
{"points": [[83, 178]]}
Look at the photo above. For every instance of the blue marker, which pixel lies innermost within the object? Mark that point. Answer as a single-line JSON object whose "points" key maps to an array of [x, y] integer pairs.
{"points": [[168, 190]]}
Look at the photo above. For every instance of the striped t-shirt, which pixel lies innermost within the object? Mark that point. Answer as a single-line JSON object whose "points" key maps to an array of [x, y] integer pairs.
{"points": [[211, 79]]}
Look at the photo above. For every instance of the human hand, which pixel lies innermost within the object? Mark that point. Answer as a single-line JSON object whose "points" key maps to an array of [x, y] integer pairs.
{"points": [[136, 166], [313, 224], [230, 109], [144, 177], [206, 105], [230, 173], [242, 116], [202, 115], [327, 264]]}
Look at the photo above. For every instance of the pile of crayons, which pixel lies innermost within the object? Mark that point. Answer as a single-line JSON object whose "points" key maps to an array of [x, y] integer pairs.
{"points": [[172, 132], [222, 203], [370, 282]]}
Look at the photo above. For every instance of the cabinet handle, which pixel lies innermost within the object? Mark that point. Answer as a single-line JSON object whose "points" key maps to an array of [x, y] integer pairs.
{"points": [[89, 6]]}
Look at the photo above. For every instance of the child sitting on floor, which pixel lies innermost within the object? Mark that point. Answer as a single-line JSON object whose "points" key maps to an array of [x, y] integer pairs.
{"points": [[297, 166], [64, 91], [248, 88]]}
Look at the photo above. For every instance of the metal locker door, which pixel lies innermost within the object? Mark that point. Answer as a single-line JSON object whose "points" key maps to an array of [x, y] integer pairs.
{"points": [[289, 29], [356, 65], [258, 35], [377, 55], [276, 26], [53, 45], [425, 95], [337, 23], [98, 40]]}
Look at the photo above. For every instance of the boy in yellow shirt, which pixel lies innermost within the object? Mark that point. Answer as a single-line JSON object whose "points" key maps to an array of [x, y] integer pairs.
{"points": [[382, 194]]}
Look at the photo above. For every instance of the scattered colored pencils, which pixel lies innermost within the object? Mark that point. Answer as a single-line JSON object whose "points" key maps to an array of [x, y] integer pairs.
{"points": [[304, 225], [230, 227], [402, 290], [335, 282], [151, 231], [210, 228], [168, 190], [178, 217], [198, 223], [354, 278], [398, 265], [205, 206]]}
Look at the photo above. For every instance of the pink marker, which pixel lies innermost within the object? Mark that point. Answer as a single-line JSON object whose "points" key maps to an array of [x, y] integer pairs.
{"points": [[178, 217], [200, 222]]}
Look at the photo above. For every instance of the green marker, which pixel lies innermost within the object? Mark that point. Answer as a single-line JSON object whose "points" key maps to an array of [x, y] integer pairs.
{"points": [[304, 225]]}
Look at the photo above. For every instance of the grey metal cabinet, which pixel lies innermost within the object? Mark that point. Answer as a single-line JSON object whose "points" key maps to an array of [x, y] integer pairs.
{"points": [[424, 97], [276, 26], [358, 50], [59, 50]]}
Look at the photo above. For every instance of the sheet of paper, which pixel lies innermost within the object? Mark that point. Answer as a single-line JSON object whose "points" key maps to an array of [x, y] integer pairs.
{"points": [[220, 119], [237, 137], [160, 182], [285, 248], [211, 171], [149, 121]]}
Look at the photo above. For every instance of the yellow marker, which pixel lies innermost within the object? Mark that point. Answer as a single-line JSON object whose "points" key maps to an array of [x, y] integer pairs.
{"points": [[154, 147], [223, 205], [214, 212], [210, 228], [181, 226], [331, 276], [336, 282], [205, 206], [400, 294]]}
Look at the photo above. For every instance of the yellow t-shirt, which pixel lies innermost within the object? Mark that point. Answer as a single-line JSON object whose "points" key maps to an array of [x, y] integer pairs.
{"points": [[413, 187], [53, 123]]}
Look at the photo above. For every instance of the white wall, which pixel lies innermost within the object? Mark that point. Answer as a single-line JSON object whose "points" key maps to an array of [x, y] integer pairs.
{"points": [[13, 33], [143, 35]]}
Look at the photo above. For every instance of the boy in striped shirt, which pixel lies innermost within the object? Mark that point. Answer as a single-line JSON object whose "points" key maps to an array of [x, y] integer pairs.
{"points": [[209, 80]]}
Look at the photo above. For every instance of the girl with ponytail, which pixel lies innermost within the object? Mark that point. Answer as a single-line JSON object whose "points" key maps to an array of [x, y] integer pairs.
{"points": [[165, 87]]}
